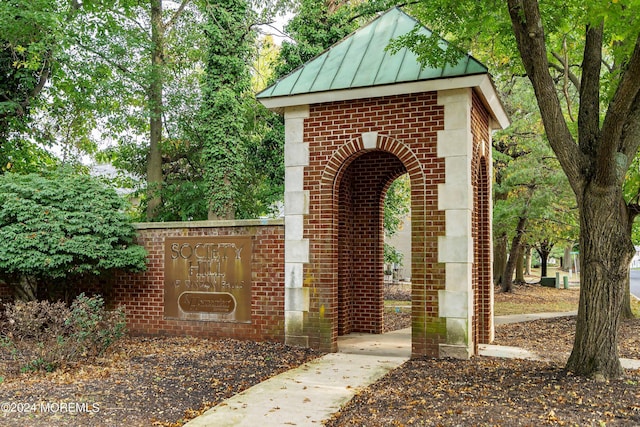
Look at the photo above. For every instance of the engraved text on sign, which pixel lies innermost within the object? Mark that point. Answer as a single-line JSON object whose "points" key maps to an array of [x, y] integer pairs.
{"points": [[208, 278]]}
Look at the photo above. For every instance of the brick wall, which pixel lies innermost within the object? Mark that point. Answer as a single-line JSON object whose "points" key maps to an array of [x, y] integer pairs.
{"points": [[143, 294], [482, 267]]}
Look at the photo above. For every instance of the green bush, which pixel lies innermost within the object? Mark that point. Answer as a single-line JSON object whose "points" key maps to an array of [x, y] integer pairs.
{"points": [[43, 336], [61, 230]]}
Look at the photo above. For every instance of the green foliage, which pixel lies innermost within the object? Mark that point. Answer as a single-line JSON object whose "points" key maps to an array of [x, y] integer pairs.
{"points": [[62, 226], [44, 336], [242, 143], [226, 84], [28, 33], [529, 182], [29, 36], [318, 24], [95, 329], [392, 255], [261, 186], [397, 204]]}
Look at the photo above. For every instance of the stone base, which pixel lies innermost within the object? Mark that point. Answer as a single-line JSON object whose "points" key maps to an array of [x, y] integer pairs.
{"points": [[297, 340], [455, 351]]}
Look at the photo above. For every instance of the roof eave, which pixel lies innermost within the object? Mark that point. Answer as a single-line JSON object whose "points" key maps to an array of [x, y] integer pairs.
{"points": [[481, 82]]}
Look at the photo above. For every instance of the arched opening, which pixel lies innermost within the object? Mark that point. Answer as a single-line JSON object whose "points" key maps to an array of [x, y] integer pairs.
{"points": [[397, 254], [361, 187]]}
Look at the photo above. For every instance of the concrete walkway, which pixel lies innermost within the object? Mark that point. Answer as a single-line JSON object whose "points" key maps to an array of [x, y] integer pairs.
{"points": [[312, 392], [306, 395]]}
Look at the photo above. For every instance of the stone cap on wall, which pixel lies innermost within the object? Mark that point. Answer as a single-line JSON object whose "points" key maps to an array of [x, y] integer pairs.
{"points": [[209, 224]]}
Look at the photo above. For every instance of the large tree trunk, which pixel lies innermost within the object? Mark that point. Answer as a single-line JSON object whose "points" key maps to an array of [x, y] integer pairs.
{"points": [[605, 254], [154, 159], [595, 166]]}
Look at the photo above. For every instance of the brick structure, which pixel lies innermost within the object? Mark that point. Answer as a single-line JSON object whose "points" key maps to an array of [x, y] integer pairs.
{"points": [[356, 119], [347, 139], [142, 293]]}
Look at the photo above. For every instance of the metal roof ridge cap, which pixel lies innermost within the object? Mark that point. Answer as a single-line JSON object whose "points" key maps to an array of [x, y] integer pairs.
{"points": [[384, 55], [374, 22], [324, 60], [333, 79]]}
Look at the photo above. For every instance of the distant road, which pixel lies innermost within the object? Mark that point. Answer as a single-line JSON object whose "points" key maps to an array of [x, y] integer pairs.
{"points": [[635, 282]]}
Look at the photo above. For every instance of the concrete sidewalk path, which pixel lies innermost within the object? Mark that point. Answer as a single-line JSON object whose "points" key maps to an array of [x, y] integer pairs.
{"points": [[306, 395], [518, 318]]}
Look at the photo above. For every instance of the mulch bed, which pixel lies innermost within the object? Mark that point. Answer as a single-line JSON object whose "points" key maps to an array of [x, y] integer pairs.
{"points": [[503, 392], [491, 392], [147, 382]]}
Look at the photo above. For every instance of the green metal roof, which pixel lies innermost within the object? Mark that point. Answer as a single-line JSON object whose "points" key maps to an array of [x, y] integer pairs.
{"points": [[360, 60]]}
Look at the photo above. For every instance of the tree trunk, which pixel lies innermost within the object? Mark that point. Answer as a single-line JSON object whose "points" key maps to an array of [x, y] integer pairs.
{"points": [[507, 277], [527, 261], [605, 254], [566, 259], [520, 266], [544, 249], [544, 256], [24, 288], [595, 168], [627, 312], [154, 159], [499, 258]]}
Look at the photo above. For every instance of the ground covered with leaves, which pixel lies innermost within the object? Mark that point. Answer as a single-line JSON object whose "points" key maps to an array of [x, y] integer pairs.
{"points": [[146, 382], [505, 392], [166, 381], [491, 392]]}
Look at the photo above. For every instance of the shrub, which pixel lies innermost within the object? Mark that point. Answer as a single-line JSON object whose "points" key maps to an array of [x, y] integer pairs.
{"points": [[40, 335], [62, 229]]}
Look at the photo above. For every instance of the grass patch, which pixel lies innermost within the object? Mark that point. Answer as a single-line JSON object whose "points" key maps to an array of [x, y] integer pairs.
{"points": [[395, 302], [635, 307], [535, 299]]}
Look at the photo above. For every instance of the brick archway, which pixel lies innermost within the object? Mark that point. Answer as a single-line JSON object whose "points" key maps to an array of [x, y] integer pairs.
{"points": [[435, 137], [358, 175], [432, 120]]}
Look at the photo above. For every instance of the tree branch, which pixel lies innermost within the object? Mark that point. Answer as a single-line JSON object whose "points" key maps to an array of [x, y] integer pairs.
{"points": [[564, 68], [630, 140], [124, 70], [589, 112], [529, 33], [43, 77], [176, 14], [617, 128]]}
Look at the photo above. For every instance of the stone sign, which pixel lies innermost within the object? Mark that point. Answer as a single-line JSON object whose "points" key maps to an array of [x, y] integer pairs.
{"points": [[208, 278]]}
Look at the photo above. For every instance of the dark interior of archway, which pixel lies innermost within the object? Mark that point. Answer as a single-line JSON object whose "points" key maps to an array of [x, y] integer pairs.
{"points": [[361, 240]]}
